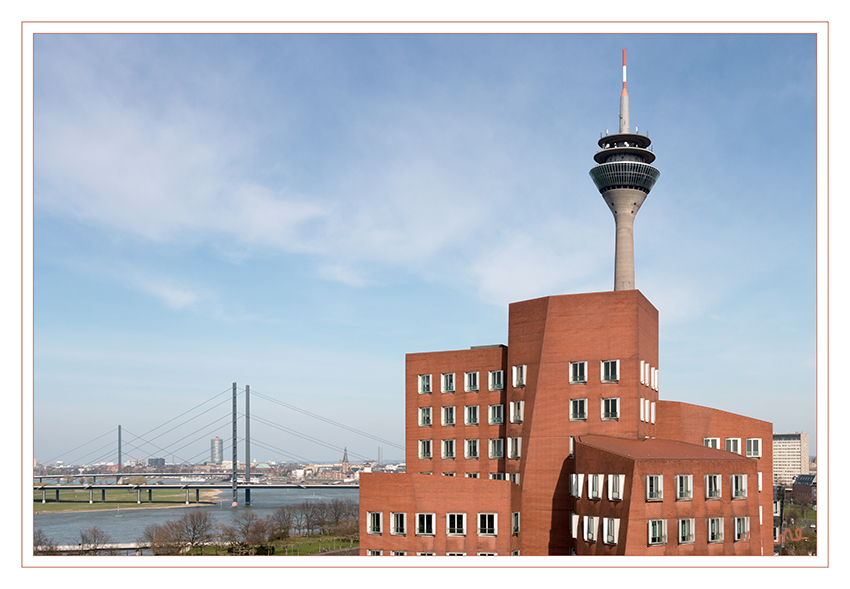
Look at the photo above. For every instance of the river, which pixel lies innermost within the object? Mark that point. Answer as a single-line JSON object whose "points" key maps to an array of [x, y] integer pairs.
{"points": [[64, 528]]}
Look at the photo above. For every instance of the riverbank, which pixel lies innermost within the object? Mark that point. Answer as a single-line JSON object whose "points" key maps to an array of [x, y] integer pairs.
{"points": [[119, 500]]}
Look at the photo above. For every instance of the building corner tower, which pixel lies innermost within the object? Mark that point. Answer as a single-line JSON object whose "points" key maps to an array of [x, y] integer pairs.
{"points": [[624, 177]]}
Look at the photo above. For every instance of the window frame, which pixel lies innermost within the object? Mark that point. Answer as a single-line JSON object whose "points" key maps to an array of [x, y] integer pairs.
{"points": [[470, 382], [736, 442], [611, 415], [616, 482], [738, 484], [448, 450], [711, 443], [484, 521], [581, 369], [519, 375], [426, 449], [514, 448], [690, 524], [425, 417], [574, 415], [656, 532], [494, 419], [686, 494], [717, 536], [655, 481], [452, 528], [496, 443], [516, 411], [753, 453], [605, 372], [741, 529], [713, 482], [590, 525], [447, 415], [425, 520], [375, 523], [594, 486], [515, 523], [611, 530], [425, 384], [496, 380], [468, 411], [395, 529], [447, 382], [468, 443]]}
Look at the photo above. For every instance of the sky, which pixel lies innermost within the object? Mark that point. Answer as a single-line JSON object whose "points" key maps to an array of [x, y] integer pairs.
{"points": [[298, 212]]}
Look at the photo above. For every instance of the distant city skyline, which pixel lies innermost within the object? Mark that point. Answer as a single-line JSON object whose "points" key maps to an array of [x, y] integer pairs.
{"points": [[298, 212]]}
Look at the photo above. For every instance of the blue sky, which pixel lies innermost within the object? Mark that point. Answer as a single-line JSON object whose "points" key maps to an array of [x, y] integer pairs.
{"points": [[298, 212]]}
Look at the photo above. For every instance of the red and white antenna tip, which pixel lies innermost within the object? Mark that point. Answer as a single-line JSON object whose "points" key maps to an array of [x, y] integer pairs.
{"points": [[624, 73]]}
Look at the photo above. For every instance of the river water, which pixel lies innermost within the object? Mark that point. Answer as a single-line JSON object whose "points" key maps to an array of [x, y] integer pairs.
{"points": [[65, 528]]}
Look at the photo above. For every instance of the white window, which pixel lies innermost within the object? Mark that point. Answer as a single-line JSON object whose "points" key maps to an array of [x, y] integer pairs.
{"points": [[398, 523], [652, 412], [712, 486], [398, 553], [471, 450], [447, 474], [610, 370], [497, 476], [497, 380], [612, 530], [425, 416], [471, 475], [572, 447], [374, 522], [497, 414], [424, 383], [424, 449], [654, 487], [590, 524], [514, 447], [448, 449], [424, 554], [777, 508], [471, 382], [576, 484], [578, 409], [742, 529], [497, 448], [715, 529], [425, 524], [471, 415], [448, 383], [610, 409], [711, 443], [643, 371], [578, 372], [642, 410], [760, 477], [455, 553], [448, 415], [615, 486], [733, 445], [513, 477], [519, 375], [684, 487], [374, 552], [456, 524], [754, 447], [686, 531], [739, 486], [654, 382], [657, 530], [515, 553], [517, 410], [488, 524], [489, 553], [515, 522], [594, 486], [574, 519]]}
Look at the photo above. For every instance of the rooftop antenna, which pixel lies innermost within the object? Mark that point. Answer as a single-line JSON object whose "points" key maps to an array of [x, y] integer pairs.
{"points": [[624, 101]]}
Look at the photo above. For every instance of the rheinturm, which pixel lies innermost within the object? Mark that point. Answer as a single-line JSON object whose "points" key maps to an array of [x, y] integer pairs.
{"points": [[624, 177]]}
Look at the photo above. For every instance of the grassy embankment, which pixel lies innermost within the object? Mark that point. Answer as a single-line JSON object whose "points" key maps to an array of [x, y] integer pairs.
{"points": [[299, 546], [78, 500]]}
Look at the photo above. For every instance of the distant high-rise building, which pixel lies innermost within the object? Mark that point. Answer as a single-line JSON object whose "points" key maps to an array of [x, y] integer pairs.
{"points": [[790, 457], [156, 462], [216, 450]]}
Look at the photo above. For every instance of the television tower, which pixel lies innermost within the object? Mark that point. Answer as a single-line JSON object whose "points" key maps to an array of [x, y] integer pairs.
{"points": [[624, 177]]}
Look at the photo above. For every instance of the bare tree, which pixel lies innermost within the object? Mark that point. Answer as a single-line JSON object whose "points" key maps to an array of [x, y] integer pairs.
{"points": [[280, 523], [149, 536], [94, 540], [252, 529], [198, 527], [170, 538], [42, 544]]}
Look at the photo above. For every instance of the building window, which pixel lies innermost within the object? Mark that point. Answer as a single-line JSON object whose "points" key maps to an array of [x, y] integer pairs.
{"points": [[594, 486], [425, 449], [776, 508], [739, 486], [686, 531], [590, 524], [424, 384], [471, 450], [574, 524], [654, 487], [576, 484], [615, 487], [684, 487], [515, 523], [449, 449], [497, 448], [471, 415], [374, 522], [497, 380], [398, 553], [517, 410], [733, 445], [497, 476], [456, 524], [424, 554], [515, 553], [712, 486], [489, 553], [425, 416], [514, 447], [657, 532], [513, 477], [572, 447], [398, 522], [471, 382], [425, 524], [610, 370], [497, 414], [449, 383], [578, 372], [753, 447], [519, 376], [374, 552], [487, 524], [448, 474], [455, 553], [610, 409], [611, 529], [715, 529], [742, 529], [578, 409], [711, 443], [448, 415], [471, 475]]}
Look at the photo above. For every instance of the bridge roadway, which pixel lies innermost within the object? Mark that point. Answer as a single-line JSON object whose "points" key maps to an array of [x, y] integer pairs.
{"points": [[187, 486]]}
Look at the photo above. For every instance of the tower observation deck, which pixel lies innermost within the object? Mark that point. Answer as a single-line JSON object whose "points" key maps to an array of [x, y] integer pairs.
{"points": [[624, 177]]}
